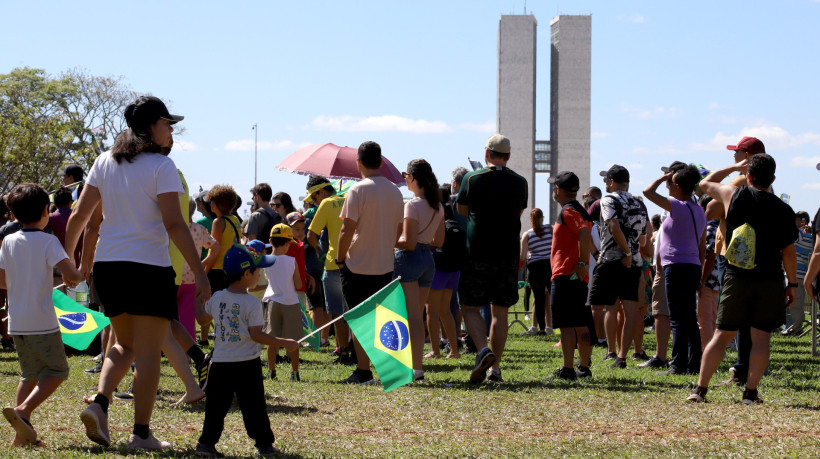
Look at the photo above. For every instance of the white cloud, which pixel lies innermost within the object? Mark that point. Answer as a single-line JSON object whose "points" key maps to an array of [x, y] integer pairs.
{"points": [[384, 123], [650, 113], [774, 137], [264, 145], [805, 161], [811, 186], [636, 18], [182, 145]]}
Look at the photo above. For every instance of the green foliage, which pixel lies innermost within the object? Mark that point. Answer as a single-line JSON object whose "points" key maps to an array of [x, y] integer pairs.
{"points": [[49, 122]]}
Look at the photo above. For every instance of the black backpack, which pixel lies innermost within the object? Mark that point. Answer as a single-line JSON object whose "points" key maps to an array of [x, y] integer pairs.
{"points": [[452, 255], [273, 218]]}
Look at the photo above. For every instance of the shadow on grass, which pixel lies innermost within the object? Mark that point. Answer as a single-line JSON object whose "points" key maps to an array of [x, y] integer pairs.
{"points": [[292, 410]]}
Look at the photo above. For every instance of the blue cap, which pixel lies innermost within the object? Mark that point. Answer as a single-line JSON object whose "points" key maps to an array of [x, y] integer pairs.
{"points": [[238, 259], [257, 246]]}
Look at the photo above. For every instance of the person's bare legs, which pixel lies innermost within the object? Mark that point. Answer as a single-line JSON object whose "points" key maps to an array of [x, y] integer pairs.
{"points": [[632, 322], [568, 341], [30, 394], [475, 324], [598, 319], [758, 357], [181, 335], [447, 321], [713, 354], [152, 333], [412, 295], [320, 318], [638, 336], [547, 315], [434, 321], [610, 327], [24, 389], [582, 336], [273, 352], [498, 333], [342, 332], [204, 328], [663, 329], [179, 361]]}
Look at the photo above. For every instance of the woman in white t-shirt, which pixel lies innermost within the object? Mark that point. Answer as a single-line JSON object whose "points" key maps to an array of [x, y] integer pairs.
{"points": [[138, 187], [422, 228]]}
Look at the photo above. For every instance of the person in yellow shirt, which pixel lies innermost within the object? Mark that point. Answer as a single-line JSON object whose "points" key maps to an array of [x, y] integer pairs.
{"points": [[327, 216]]}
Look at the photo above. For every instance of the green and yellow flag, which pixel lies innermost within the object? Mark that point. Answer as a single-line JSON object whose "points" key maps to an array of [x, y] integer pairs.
{"points": [[78, 325], [380, 325], [307, 328]]}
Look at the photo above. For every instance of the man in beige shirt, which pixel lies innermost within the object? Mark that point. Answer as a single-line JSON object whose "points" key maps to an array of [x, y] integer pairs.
{"points": [[372, 213]]}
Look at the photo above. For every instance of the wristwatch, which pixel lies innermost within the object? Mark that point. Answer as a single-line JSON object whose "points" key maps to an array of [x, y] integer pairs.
{"points": [[628, 254], [792, 285], [581, 263]]}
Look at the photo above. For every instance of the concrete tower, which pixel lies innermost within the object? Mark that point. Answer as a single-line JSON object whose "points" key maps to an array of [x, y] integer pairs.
{"points": [[570, 94], [516, 96]]}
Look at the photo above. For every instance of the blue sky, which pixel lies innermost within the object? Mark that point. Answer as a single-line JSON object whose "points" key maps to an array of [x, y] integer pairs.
{"points": [[670, 81]]}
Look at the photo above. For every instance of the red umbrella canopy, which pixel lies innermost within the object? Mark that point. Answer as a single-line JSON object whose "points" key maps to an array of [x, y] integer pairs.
{"points": [[333, 161]]}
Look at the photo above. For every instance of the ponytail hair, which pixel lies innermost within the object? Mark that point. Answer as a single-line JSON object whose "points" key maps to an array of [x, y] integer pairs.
{"points": [[422, 173], [130, 143], [535, 218]]}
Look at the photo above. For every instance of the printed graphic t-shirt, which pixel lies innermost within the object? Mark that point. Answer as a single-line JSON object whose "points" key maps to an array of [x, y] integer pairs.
{"points": [[234, 314]]}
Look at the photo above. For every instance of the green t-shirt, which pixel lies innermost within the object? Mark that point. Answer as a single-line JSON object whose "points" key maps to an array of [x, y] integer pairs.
{"points": [[496, 196], [207, 222]]}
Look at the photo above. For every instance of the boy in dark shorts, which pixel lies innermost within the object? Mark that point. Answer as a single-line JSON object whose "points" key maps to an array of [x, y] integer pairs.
{"points": [[27, 260], [753, 294], [236, 368], [571, 244]]}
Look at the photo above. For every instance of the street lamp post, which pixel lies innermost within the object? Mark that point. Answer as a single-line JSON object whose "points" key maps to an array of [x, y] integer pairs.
{"points": [[255, 136]]}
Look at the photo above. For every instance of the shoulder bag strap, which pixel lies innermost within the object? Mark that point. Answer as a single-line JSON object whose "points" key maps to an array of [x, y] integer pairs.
{"points": [[235, 232]]}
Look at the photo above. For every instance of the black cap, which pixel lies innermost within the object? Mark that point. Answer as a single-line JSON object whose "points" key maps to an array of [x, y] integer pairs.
{"points": [[75, 171], [201, 196], [674, 167], [617, 173], [565, 180], [145, 111]]}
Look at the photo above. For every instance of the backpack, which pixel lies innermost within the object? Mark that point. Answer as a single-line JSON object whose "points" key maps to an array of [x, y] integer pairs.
{"points": [[741, 249], [272, 219], [452, 255]]}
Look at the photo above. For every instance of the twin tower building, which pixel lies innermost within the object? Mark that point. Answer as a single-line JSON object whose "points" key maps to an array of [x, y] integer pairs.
{"points": [[569, 103]]}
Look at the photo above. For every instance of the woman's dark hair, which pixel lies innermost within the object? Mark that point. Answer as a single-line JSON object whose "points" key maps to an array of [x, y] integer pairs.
{"points": [[705, 200], [422, 173], [687, 178], [284, 198], [535, 218], [131, 143], [444, 194], [234, 277]]}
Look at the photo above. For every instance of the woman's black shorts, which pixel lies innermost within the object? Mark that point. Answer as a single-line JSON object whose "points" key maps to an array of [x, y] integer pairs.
{"points": [[136, 288]]}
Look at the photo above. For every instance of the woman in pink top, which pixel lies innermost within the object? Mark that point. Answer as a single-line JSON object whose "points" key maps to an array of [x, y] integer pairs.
{"points": [[423, 227]]}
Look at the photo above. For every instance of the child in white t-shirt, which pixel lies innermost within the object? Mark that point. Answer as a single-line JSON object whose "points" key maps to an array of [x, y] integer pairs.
{"points": [[284, 316], [27, 261], [235, 366]]}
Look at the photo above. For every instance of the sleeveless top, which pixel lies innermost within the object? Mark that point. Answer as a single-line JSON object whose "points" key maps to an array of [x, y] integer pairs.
{"points": [[229, 237], [539, 247]]}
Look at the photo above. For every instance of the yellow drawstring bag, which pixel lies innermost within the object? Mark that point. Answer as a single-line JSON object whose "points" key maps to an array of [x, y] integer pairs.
{"points": [[741, 249]]}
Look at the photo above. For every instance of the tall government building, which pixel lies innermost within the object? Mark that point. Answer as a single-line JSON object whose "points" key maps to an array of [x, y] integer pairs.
{"points": [[570, 82]]}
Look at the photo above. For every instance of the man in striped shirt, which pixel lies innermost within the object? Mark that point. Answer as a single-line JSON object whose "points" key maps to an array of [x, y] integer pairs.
{"points": [[803, 246]]}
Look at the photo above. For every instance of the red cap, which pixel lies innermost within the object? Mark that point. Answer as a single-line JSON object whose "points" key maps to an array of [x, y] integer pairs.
{"points": [[751, 145]]}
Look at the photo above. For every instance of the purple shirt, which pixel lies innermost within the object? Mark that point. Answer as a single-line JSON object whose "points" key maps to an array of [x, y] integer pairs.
{"points": [[681, 237]]}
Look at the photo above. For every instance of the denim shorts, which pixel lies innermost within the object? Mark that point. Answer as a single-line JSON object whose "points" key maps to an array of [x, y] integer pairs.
{"points": [[415, 265], [334, 300]]}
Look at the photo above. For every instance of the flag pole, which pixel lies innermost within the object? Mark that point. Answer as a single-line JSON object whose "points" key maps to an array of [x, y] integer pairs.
{"points": [[321, 328], [342, 316]]}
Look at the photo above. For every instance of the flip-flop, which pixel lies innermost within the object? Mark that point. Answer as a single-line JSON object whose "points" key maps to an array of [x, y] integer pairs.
{"points": [[23, 427]]}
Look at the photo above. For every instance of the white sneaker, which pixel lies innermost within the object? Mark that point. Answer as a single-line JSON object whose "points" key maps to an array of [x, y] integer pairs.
{"points": [[96, 424], [530, 331], [418, 375], [149, 444], [549, 331]]}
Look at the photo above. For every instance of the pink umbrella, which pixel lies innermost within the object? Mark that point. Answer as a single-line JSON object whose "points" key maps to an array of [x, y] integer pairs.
{"points": [[333, 161]]}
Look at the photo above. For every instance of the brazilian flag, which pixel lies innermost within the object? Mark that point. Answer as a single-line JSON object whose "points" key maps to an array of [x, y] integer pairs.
{"points": [[78, 325], [380, 324]]}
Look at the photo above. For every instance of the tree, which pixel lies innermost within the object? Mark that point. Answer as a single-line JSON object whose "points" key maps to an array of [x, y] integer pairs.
{"points": [[47, 123]]}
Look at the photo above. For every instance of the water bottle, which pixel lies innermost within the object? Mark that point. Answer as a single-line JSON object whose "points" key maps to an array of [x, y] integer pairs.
{"points": [[81, 294]]}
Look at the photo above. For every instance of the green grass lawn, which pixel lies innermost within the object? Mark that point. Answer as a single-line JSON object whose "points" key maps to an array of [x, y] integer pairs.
{"points": [[631, 412]]}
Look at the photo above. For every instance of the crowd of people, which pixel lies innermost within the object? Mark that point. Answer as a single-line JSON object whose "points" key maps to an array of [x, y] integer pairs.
{"points": [[723, 264]]}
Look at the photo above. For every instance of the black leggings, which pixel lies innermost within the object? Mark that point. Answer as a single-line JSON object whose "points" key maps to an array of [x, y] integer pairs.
{"points": [[539, 275]]}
